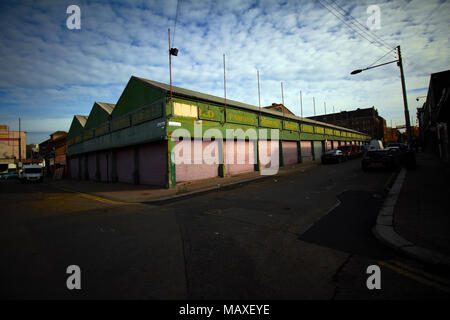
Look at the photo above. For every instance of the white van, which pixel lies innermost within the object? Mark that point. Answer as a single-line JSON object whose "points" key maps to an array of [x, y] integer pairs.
{"points": [[32, 172], [375, 144]]}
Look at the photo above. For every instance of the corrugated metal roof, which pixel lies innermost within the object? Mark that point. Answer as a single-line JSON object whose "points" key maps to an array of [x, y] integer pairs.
{"points": [[81, 119], [207, 97], [108, 107]]}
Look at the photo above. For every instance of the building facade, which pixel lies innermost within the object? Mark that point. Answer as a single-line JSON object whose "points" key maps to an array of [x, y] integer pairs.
{"points": [[434, 116], [142, 137], [54, 153], [364, 120], [10, 143], [391, 135]]}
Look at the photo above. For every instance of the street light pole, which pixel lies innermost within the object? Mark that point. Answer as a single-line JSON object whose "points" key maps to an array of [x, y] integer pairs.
{"points": [[405, 100], [402, 76]]}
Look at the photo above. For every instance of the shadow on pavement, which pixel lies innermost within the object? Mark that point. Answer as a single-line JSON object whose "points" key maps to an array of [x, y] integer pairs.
{"points": [[348, 227]]}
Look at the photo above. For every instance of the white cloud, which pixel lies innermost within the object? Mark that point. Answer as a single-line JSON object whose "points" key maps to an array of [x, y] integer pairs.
{"points": [[49, 72]]}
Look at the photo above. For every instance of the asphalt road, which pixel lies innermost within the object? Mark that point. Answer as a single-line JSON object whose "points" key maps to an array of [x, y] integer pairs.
{"points": [[299, 236]]}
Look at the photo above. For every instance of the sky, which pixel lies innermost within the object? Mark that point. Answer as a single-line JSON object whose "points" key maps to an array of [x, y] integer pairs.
{"points": [[50, 72]]}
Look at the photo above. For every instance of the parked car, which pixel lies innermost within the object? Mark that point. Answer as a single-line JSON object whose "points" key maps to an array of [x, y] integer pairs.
{"points": [[402, 146], [350, 151], [11, 174], [361, 150], [333, 156], [407, 155], [383, 158]]}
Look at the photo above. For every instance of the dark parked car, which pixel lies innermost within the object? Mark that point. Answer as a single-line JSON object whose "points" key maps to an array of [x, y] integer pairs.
{"points": [[403, 147], [12, 174], [333, 156], [350, 151], [362, 149], [383, 158], [407, 155]]}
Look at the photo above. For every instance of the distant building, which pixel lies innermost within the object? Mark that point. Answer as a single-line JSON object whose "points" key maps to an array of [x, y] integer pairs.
{"points": [[280, 108], [54, 153], [9, 145], [391, 135], [32, 151], [434, 115], [363, 120]]}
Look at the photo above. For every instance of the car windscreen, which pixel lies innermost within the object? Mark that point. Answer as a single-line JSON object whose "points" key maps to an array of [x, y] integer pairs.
{"points": [[345, 148], [332, 152], [33, 170]]}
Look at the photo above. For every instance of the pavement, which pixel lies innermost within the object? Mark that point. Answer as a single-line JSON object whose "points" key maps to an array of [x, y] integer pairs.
{"points": [[414, 218], [124, 192]]}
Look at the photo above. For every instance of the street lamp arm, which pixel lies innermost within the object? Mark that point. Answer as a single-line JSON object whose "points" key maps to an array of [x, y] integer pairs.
{"points": [[378, 65], [402, 77]]}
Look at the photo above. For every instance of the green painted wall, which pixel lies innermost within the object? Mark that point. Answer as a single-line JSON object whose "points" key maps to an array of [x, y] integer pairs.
{"points": [[97, 116], [144, 132], [136, 95], [140, 116]]}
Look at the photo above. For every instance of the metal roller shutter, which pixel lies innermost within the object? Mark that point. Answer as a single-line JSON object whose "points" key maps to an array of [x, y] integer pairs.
{"points": [[125, 165], [74, 167], [104, 163], [83, 167], [92, 166], [317, 149], [290, 153], [239, 156], [265, 152], [192, 171], [306, 151], [153, 163]]}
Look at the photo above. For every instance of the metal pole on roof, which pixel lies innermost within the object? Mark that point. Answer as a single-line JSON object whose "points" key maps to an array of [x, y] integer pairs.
{"points": [[170, 72], [325, 106], [282, 101], [314, 104], [225, 87], [259, 93], [301, 104], [20, 145]]}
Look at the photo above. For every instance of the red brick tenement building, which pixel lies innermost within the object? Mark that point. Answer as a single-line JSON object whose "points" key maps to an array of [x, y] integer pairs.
{"points": [[363, 120]]}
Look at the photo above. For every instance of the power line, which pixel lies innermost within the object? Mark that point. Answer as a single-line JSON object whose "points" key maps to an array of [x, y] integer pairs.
{"points": [[378, 60], [364, 28], [369, 33], [383, 48], [175, 24]]}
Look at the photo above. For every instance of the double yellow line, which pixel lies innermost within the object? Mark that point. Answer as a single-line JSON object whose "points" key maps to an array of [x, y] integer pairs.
{"points": [[417, 275], [96, 198]]}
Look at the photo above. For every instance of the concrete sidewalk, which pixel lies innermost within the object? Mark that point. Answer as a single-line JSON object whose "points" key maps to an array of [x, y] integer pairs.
{"points": [[415, 217], [123, 192]]}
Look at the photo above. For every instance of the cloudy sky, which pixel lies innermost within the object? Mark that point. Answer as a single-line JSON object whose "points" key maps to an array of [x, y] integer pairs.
{"points": [[49, 72]]}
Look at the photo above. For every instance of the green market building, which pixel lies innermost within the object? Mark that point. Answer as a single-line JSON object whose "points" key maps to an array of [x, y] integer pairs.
{"points": [[134, 140]]}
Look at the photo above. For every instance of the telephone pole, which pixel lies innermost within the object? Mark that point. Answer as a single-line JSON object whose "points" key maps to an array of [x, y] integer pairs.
{"points": [[405, 100]]}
